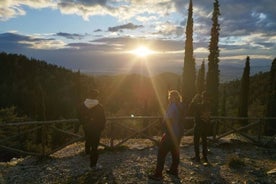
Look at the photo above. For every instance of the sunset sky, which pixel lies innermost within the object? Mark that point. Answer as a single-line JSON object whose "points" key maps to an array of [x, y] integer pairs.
{"points": [[101, 36]]}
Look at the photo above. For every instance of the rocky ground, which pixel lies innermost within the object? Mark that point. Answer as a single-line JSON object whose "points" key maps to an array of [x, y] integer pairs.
{"points": [[231, 161]]}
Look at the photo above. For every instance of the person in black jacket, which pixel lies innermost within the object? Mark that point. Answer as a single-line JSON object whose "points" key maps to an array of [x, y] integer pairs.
{"points": [[200, 108], [92, 118]]}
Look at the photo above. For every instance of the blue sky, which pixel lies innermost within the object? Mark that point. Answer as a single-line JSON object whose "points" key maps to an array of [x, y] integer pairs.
{"points": [[98, 36]]}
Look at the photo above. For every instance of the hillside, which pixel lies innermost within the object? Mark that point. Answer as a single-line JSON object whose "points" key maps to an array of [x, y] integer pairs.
{"points": [[231, 161]]}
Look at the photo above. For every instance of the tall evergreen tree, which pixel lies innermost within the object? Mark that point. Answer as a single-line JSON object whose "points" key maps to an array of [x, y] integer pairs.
{"points": [[200, 84], [188, 77], [223, 105], [271, 106], [244, 94], [212, 78]]}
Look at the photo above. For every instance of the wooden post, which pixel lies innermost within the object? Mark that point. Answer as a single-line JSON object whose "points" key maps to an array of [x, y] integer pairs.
{"points": [[260, 129], [215, 128], [111, 134], [43, 139]]}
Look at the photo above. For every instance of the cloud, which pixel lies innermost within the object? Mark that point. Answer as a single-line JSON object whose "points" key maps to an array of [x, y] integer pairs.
{"points": [[169, 29], [98, 30], [73, 36], [11, 9], [13, 41], [125, 26]]}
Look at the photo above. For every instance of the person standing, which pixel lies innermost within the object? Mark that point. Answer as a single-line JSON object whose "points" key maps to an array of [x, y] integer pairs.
{"points": [[92, 118], [171, 138], [200, 108]]}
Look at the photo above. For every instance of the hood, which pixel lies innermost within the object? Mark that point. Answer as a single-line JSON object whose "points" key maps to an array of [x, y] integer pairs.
{"points": [[90, 103]]}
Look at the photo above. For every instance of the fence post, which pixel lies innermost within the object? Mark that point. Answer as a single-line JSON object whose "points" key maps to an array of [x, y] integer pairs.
{"points": [[215, 127], [43, 139], [260, 129], [111, 134]]}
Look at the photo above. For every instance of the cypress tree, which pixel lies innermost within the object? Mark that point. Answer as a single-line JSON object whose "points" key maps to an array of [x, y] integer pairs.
{"points": [[223, 105], [188, 76], [201, 78], [212, 78], [244, 94], [271, 105]]}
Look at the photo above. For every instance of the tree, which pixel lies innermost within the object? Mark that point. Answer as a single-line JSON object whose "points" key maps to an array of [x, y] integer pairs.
{"points": [[200, 85], [271, 105], [244, 94], [212, 78], [188, 76]]}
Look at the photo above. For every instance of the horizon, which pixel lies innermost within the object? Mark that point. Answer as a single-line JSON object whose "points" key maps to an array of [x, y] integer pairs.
{"points": [[109, 36]]}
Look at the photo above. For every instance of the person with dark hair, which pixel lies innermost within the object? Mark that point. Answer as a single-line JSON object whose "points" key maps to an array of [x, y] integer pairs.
{"points": [[171, 138], [92, 118], [200, 108]]}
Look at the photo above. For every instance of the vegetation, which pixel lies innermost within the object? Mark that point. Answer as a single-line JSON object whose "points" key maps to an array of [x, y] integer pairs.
{"points": [[234, 162], [201, 78], [245, 82], [212, 78], [271, 105], [189, 74]]}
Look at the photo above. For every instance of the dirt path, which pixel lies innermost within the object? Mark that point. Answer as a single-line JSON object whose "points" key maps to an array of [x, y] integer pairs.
{"points": [[230, 162]]}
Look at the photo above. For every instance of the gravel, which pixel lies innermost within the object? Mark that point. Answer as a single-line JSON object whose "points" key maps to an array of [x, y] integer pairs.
{"points": [[137, 158]]}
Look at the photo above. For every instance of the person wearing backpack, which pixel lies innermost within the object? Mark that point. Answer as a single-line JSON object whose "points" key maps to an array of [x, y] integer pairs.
{"points": [[92, 118], [170, 141]]}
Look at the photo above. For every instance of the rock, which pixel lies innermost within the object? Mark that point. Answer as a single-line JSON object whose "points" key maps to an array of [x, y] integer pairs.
{"points": [[272, 172]]}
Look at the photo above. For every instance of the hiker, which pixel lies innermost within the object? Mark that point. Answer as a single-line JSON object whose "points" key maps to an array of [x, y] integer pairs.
{"points": [[92, 118], [171, 138], [200, 109]]}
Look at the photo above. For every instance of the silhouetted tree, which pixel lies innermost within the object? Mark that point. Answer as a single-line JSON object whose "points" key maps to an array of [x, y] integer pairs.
{"points": [[212, 78], [188, 76], [223, 105], [271, 105], [244, 94], [201, 78]]}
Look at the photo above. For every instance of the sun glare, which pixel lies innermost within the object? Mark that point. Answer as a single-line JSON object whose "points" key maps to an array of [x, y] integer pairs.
{"points": [[142, 51]]}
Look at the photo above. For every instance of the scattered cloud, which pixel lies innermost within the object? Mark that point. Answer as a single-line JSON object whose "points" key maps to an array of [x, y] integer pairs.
{"points": [[125, 26], [73, 36]]}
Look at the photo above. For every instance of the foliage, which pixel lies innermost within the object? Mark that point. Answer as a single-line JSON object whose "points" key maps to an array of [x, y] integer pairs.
{"points": [[189, 74], [9, 114], [244, 91], [271, 105], [201, 78], [37, 89], [212, 78], [234, 162]]}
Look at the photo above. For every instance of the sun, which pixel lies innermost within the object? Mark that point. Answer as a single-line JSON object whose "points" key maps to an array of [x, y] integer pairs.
{"points": [[142, 51]]}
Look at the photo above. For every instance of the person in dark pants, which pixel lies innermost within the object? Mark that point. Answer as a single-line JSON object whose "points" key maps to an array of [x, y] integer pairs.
{"points": [[171, 138], [200, 108], [92, 118]]}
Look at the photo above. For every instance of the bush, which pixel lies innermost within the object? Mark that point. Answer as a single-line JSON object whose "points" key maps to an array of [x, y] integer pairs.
{"points": [[234, 162]]}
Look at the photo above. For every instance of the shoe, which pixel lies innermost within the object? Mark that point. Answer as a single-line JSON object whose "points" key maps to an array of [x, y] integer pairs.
{"points": [[205, 159], [96, 167], [195, 159], [155, 177], [170, 172]]}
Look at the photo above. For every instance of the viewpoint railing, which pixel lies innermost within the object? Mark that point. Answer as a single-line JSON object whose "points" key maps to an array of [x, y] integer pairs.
{"points": [[43, 138]]}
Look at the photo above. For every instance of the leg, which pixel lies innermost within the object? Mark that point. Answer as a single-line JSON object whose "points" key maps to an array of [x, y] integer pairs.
{"points": [[161, 156], [175, 159], [87, 141], [204, 146], [94, 155], [196, 143]]}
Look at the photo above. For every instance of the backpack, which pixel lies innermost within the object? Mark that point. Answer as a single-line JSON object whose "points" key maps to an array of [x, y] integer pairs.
{"points": [[93, 118]]}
